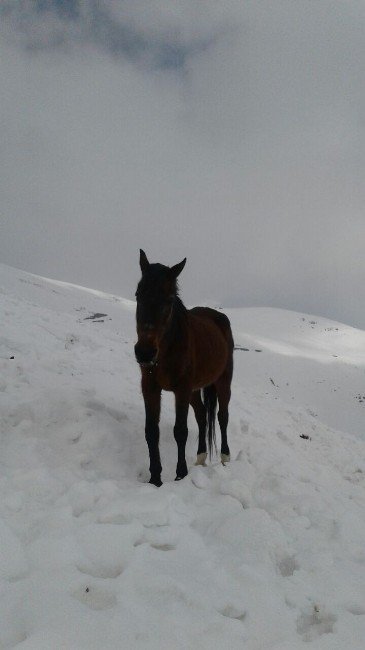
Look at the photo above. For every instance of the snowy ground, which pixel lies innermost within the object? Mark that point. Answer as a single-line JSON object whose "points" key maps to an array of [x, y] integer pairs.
{"points": [[267, 553]]}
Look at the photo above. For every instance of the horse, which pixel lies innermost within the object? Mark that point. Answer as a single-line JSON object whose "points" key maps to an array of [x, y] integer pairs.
{"points": [[188, 352]]}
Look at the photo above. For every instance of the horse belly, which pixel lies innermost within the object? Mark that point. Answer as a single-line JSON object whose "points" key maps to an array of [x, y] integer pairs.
{"points": [[202, 379], [211, 357]]}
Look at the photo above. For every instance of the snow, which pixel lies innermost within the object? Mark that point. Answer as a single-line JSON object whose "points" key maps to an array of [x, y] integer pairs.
{"points": [[265, 553]]}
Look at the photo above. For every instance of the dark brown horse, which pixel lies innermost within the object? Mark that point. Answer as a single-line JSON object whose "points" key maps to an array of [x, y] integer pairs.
{"points": [[183, 351]]}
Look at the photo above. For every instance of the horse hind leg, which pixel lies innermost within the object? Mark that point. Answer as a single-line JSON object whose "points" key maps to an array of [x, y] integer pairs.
{"points": [[223, 387], [200, 413]]}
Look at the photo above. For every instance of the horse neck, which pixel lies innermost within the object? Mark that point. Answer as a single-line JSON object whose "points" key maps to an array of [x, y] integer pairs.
{"points": [[177, 330]]}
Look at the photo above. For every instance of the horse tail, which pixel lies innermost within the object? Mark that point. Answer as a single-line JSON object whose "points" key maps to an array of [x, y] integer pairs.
{"points": [[210, 403]]}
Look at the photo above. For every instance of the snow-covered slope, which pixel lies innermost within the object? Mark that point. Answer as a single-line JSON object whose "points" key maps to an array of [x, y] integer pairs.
{"points": [[267, 553]]}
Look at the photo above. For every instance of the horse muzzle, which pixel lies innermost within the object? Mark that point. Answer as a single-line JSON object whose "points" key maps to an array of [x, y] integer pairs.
{"points": [[145, 356]]}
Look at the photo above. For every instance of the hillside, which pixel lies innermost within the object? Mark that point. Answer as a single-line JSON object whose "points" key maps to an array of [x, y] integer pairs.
{"points": [[264, 554]]}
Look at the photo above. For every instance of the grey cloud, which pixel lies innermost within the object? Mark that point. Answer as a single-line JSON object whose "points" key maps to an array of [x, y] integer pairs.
{"points": [[245, 152], [150, 33]]}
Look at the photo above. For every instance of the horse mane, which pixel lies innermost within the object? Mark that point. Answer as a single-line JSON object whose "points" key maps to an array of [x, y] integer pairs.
{"points": [[178, 320], [178, 304]]}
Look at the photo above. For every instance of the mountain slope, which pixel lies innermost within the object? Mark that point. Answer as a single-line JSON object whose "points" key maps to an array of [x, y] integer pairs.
{"points": [[266, 553]]}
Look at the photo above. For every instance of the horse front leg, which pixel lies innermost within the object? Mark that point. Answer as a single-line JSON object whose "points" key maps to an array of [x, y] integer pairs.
{"points": [[152, 401], [182, 400]]}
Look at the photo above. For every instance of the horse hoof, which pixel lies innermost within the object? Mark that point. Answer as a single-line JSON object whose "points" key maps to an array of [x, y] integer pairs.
{"points": [[180, 478], [201, 458], [225, 458], [156, 482]]}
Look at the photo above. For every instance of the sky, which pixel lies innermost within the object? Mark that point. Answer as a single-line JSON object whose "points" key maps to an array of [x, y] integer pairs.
{"points": [[230, 133]]}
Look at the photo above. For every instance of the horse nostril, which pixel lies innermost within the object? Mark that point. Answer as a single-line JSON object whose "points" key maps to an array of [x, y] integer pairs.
{"points": [[145, 355]]}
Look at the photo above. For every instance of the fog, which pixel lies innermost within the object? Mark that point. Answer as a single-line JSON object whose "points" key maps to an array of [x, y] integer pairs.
{"points": [[230, 133]]}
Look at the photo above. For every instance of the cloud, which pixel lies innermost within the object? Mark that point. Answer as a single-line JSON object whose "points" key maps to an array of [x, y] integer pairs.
{"points": [[231, 134]]}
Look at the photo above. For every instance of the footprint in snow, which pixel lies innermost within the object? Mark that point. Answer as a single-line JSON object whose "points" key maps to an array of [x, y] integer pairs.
{"points": [[100, 407], [231, 611], [199, 477], [163, 547], [71, 340], [286, 565], [313, 624], [95, 597], [97, 571], [356, 610]]}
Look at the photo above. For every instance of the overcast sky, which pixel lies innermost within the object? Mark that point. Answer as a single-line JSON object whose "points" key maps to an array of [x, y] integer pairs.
{"points": [[232, 133]]}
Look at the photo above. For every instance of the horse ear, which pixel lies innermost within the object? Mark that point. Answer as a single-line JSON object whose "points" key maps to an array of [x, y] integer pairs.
{"points": [[176, 270], [143, 261]]}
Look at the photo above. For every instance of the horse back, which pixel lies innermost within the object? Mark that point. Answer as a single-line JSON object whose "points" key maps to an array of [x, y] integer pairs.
{"points": [[218, 318]]}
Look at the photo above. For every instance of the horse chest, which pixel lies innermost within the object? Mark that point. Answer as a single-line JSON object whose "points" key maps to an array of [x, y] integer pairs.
{"points": [[168, 377]]}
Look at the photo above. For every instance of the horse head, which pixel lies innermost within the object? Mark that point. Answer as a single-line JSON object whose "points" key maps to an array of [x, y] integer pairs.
{"points": [[156, 293]]}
